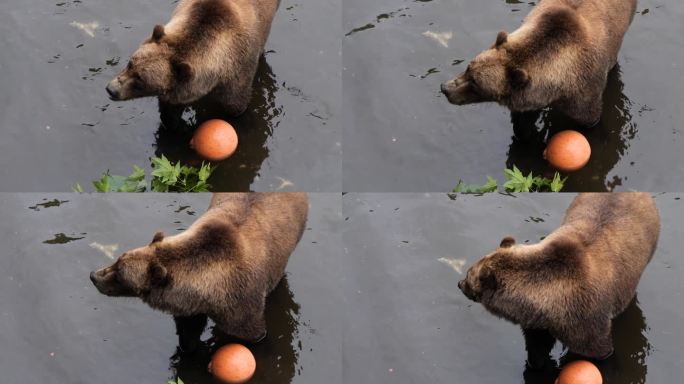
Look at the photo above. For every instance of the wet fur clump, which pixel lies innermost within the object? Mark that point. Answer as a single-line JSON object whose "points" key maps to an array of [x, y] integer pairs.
{"points": [[222, 267], [209, 50], [572, 284], [559, 57]]}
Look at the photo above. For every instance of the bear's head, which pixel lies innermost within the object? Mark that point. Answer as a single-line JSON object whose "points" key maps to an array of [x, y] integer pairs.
{"points": [[482, 280], [134, 274], [492, 76], [153, 70]]}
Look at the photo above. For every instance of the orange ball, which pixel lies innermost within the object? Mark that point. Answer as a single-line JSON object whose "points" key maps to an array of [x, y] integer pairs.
{"points": [[579, 372], [233, 364], [568, 151], [215, 140]]}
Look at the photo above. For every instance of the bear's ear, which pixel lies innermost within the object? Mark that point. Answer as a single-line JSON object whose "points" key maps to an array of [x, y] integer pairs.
{"points": [[183, 72], [501, 39], [159, 236], [158, 274], [488, 279], [507, 242], [518, 78], [157, 32]]}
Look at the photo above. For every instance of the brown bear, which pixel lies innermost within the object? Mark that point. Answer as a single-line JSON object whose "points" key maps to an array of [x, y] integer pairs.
{"points": [[208, 50], [572, 284], [223, 266], [559, 57]]}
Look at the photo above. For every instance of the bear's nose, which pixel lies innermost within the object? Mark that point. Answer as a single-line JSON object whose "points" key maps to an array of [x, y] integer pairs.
{"points": [[444, 87], [93, 277], [460, 284], [113, 93]]}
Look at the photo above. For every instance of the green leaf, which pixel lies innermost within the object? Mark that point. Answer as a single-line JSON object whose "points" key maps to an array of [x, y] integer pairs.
{"points": [[490, 186], [166, 172], [540, 183], [166, 177], [557, 183], [77, 188], [516, 181], [159, 186], [204, 172], [201, 187], [137, 175], [103, 185], [529, 182]]}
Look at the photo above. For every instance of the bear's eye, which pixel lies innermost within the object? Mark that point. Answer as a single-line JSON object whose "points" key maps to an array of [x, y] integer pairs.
{"points": [[129, 66], [137, 83], [474, 86]]}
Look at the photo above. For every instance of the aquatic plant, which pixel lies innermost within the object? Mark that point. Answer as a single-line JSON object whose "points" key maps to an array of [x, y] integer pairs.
{"points": [[166, 177], [516, 181]]}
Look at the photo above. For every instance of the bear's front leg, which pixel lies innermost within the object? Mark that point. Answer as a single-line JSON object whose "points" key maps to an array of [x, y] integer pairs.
{"points": [[249, 326], [189, 329], [585, 109], [593, 340], [538, 343], [234, 99], [525, 125], [249, 329], [171, 115]]}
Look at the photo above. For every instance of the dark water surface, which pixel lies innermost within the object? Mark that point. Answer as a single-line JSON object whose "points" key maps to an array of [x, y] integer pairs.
{"points": [[59, 127], [401, 134], [55, 327], [412, 324]]}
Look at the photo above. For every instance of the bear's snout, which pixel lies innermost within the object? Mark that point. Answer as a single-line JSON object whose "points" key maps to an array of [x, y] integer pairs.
{"points": [[98, 278], [467, 290], [444, 88], [113, 91], [454, 91]]}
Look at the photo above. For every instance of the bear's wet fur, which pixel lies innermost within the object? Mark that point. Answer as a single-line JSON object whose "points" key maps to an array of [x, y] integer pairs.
{"points": [[560, 57], [222, 267], [571, 285], [209, 51]]}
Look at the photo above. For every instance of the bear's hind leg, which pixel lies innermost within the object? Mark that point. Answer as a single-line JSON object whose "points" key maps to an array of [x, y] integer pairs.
{"points": [[189, 329], [538, 343]]}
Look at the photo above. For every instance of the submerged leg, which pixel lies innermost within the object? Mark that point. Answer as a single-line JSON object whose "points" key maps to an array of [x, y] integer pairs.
{"points": [[189, 329], [538, 343]]}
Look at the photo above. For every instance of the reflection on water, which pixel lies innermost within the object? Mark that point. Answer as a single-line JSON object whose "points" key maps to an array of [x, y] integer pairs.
{"points": [[628, 363], [632, 348], [59, 126], [609, 139], [254, 128], [52, 317], [276, 356], [398, 125], [412, 318]]}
